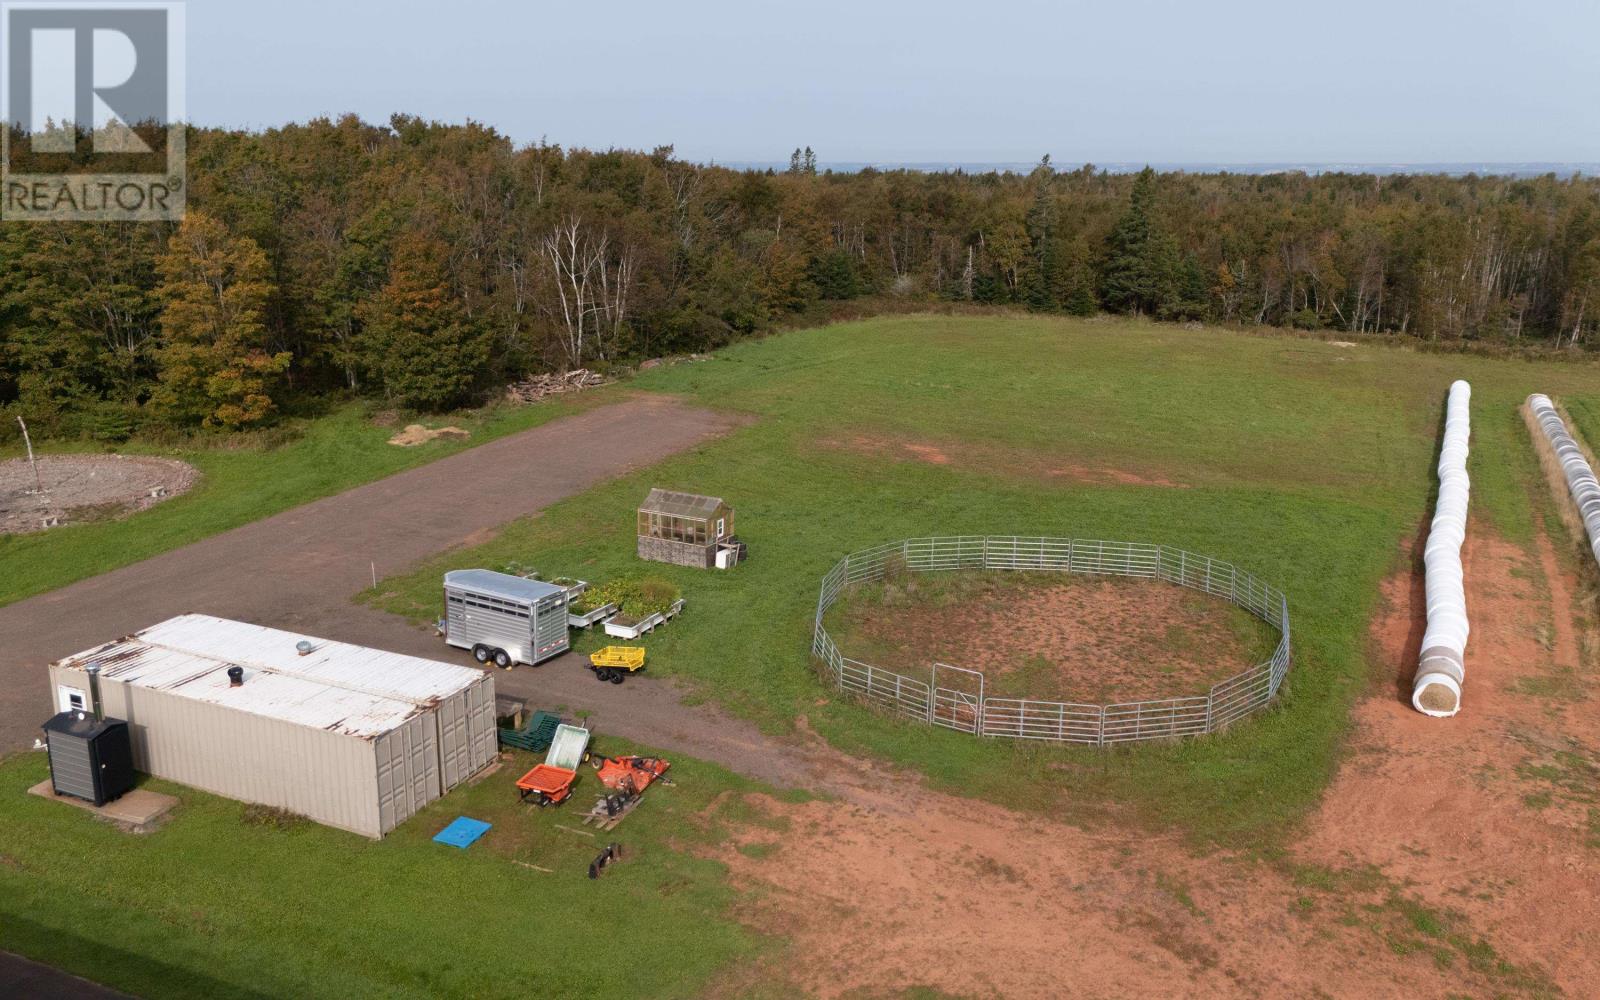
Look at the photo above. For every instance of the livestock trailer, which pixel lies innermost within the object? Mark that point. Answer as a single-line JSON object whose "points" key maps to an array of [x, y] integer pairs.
{"points": [[505, 619], [352, 737]]}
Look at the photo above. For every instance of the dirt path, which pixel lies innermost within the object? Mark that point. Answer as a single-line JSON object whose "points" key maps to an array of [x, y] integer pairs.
{"points": [[298, 569]]}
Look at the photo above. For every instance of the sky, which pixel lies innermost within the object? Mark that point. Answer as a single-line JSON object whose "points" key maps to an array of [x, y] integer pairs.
{"points": [[1213, 81]]}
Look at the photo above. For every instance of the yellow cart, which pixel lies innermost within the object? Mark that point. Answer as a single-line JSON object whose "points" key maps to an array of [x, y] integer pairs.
{"points": [[614, 663]]}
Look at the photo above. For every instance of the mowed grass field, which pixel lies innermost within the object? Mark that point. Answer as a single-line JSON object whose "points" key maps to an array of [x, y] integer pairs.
{"points": [[1306, 463], [222, 903]]}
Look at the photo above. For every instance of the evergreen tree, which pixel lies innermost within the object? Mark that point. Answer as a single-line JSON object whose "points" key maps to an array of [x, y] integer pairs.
{"points": [[1040, 284], [1141, 259], [419, 341], [834, 275], [215, 366], [794, 162], [1074, 288], [809, 164]]}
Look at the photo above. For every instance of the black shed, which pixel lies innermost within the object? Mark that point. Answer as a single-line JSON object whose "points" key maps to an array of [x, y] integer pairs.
{"points": [[89, 758]]}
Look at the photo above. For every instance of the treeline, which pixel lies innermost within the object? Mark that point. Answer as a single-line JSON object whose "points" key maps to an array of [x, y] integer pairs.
{"points": [[427, 264]]}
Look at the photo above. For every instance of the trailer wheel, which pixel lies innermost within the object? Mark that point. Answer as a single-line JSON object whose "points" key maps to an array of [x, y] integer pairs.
{"points": [[617, 676], [480, 652], [502, 659]]}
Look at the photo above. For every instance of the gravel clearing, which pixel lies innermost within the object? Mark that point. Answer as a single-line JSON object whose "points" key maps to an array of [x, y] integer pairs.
{"points": [[81, 488]]}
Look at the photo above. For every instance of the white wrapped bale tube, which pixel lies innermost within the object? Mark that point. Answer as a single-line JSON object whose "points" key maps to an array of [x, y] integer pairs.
{"points": [[1580, 477], [1442, 669]]}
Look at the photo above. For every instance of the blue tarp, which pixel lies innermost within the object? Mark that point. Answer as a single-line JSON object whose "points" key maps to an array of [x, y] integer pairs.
{"points": [[462, 832]]}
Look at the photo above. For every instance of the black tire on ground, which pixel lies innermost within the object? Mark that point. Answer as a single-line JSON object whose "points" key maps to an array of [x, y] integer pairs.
{"points": [[616, 677], [502, 659], [599, 673], [480, 652]]}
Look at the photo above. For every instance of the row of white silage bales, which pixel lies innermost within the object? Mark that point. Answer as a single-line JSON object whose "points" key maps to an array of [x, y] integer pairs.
{"points": [[1580, 477], [1442, 669]]}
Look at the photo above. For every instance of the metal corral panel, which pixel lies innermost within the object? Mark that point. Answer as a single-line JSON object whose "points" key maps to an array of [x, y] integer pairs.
{"points": [[356, 738]]}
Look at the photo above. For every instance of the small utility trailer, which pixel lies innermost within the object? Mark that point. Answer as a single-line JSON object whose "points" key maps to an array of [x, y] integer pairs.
{"points": [[504, 619], [614, 663], [550, 783]]}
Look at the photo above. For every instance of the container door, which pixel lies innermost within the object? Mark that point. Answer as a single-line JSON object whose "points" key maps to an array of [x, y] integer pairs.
{"points": [[392, 785], [481, 724], [424, 749], [454, 763]]}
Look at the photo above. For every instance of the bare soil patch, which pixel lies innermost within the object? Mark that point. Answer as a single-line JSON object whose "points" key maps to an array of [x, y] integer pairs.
{"points": [[989, 458], [81, 488], [1494, 813], [415, 434], [891, 888], [1055, 636]]}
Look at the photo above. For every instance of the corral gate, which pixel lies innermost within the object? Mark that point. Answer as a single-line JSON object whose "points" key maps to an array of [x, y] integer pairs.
{"points": [[959, 706]]}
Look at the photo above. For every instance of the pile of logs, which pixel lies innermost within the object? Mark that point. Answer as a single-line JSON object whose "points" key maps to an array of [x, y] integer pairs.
{"points": [[536, 387]]}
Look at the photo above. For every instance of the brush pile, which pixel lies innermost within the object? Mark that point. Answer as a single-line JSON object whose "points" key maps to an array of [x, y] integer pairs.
{"points": [[536, 387]]}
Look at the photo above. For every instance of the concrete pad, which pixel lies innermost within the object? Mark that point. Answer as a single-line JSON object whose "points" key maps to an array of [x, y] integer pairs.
{"points": [[138, 811]]}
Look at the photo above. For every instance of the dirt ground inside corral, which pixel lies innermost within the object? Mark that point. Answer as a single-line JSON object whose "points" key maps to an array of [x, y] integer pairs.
{"points": [[1055, 637], [85, 488], [1451, 857]]}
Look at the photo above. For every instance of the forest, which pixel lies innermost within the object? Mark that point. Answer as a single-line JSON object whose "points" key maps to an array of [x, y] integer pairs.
{"points": [[426, 265]]}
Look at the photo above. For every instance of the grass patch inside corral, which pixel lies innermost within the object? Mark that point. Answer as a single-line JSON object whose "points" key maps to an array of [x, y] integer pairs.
{"points": [[1307, 464]]}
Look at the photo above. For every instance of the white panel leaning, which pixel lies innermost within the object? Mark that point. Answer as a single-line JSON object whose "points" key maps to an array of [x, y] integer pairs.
{"points": [[1580, 477], [1441, 669]]}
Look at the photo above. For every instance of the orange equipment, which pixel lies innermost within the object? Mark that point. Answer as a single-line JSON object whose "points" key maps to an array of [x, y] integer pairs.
{"points": [[630, 774], [552, 781]]}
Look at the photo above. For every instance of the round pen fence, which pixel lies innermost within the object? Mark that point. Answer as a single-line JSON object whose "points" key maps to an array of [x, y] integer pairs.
{"points": [[954, 697]]}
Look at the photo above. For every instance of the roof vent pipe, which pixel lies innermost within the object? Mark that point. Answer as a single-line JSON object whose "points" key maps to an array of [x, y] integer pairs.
{"points": [[93, 670], [235, 677], [304, 647]]}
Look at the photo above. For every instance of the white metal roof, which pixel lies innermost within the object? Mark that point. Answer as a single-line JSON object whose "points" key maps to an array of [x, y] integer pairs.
{"points": [[487, 581], [354, 690]]}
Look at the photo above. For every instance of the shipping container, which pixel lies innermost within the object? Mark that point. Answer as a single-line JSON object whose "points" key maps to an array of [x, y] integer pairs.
{"points": [[349, 736]]}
